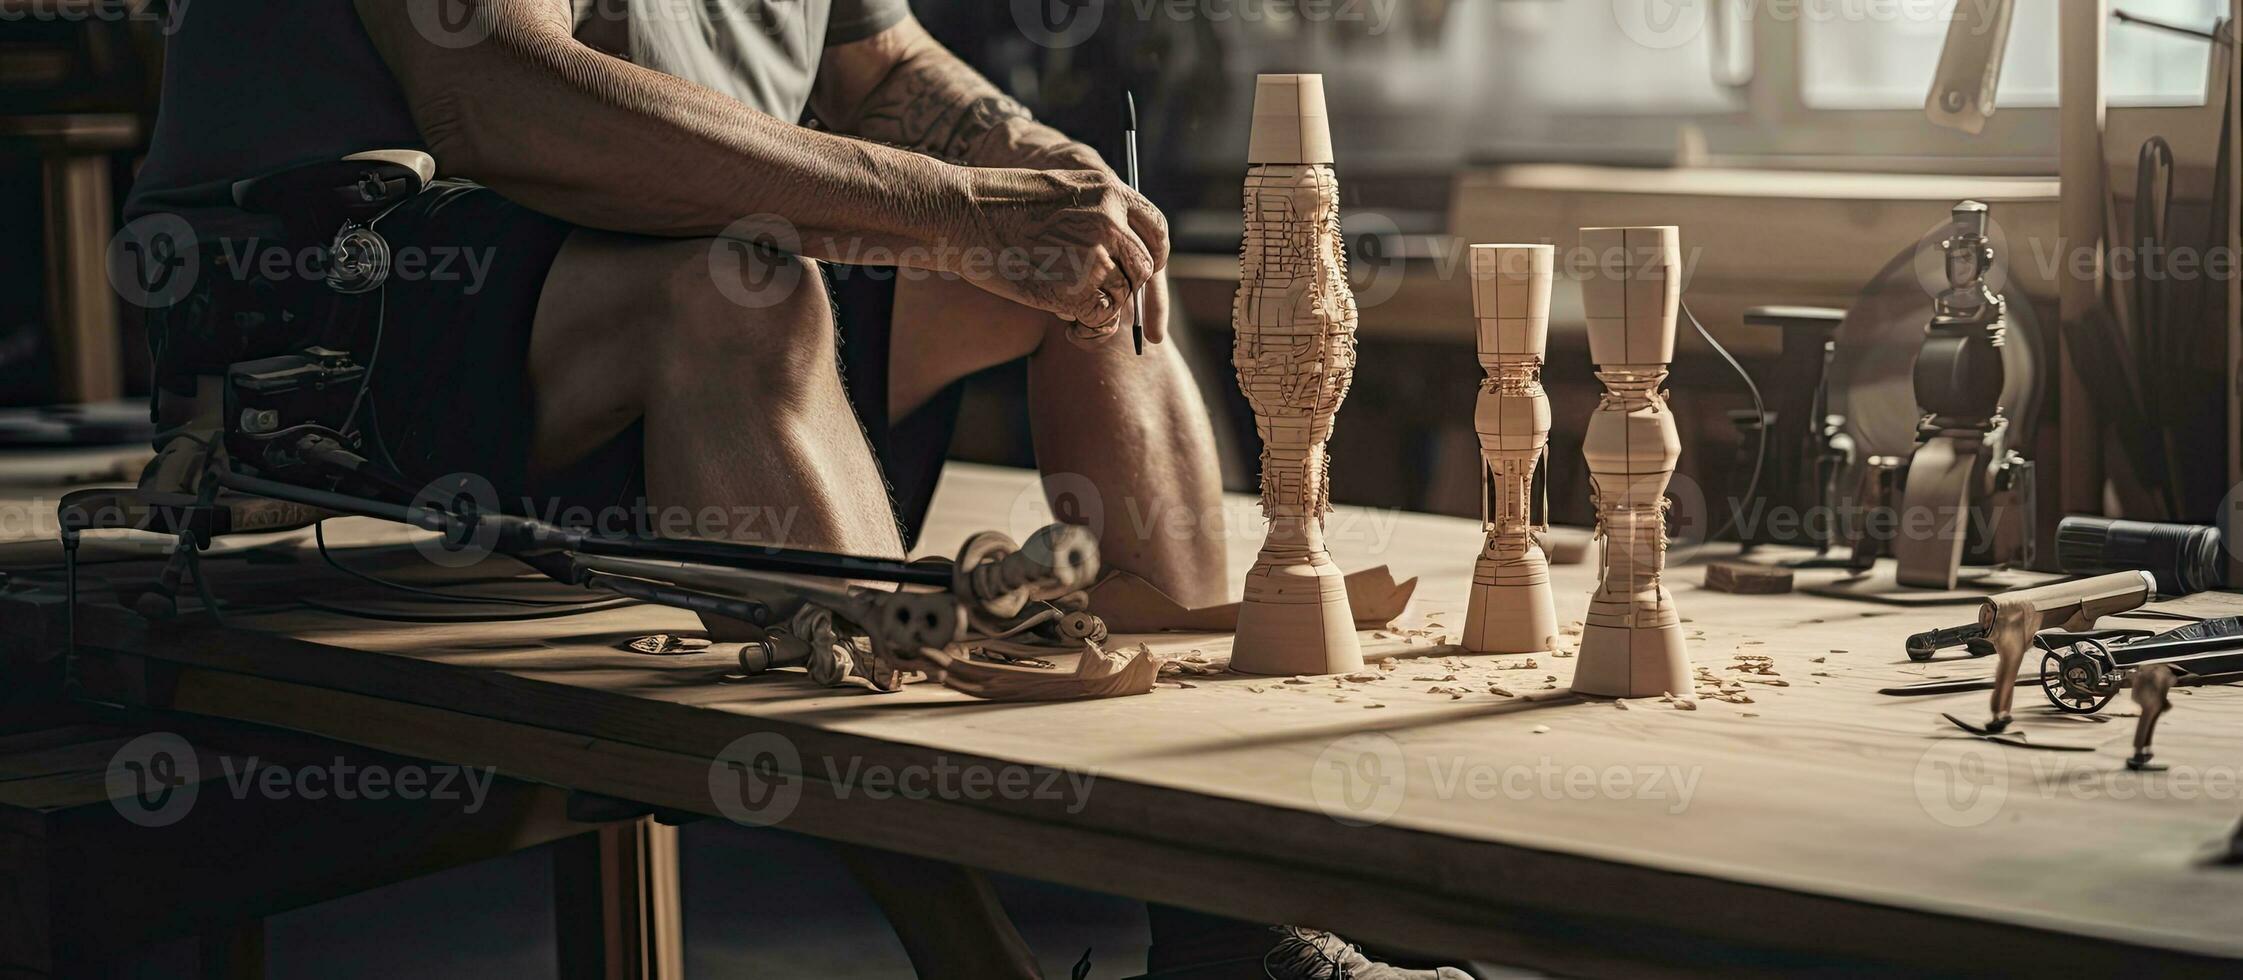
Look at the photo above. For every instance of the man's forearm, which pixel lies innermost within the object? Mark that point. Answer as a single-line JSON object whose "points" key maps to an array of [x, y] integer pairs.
{"points": [[929, 100], [600, 142]]}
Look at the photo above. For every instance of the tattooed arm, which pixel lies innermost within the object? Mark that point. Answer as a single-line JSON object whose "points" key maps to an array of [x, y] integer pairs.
{"points": [[903, 88]]}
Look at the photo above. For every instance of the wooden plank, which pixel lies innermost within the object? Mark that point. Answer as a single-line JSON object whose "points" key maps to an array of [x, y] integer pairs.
{"points": [[1500, 903], [2082, 28]]}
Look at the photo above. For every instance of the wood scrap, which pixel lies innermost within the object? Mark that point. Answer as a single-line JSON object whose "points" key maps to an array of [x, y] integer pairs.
{"points": [[1746, 578], [1099, 674]]}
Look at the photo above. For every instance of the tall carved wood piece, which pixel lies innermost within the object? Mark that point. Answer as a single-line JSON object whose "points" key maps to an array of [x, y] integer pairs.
{"points": [[1511, 609], [1295, 355], [1631, 640]]}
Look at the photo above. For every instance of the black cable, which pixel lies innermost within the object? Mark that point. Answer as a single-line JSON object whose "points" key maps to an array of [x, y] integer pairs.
{"points": [[202, 589], [578, 609], [1760, 412], [319, 536], [373, 360]]}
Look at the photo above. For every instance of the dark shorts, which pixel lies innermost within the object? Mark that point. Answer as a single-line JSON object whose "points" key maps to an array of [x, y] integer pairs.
{"points": [[451, 389]]}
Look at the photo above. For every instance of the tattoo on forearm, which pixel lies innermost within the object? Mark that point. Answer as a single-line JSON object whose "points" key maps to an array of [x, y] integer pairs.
{"points": [[942, 108]]}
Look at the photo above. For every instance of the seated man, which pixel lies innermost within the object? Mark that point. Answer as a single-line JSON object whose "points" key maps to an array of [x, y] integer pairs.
{"points": [[572, 310]]}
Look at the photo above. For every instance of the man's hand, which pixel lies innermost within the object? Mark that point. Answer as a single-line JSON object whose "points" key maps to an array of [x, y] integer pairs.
{"points": [[1075, 243]]}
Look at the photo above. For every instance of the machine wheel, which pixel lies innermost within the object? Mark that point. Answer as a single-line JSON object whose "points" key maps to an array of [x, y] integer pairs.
{"points": [[2077, 681]]}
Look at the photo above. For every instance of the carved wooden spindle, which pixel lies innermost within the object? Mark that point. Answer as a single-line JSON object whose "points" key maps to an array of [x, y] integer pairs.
{"points": [[1295, 354], [1631, 640], [1511, 609]]}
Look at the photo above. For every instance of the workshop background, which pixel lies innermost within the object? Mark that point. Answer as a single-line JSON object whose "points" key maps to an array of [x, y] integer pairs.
{"points": [[1794, 153]]}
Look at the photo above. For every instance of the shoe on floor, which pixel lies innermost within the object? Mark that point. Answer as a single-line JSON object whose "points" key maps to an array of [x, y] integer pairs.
{"points": [[1310, 954]]}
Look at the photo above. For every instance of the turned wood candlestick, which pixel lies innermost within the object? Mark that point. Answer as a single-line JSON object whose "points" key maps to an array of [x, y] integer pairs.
{"points": [[1510, 609], [1631, 639], [1295, 355]]}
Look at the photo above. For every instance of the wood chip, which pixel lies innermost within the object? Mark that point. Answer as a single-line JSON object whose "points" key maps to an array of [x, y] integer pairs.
{"points": [[1542, 729], [1742, 578]]}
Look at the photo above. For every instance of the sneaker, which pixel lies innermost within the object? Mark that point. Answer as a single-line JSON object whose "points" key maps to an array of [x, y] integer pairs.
{"points": [[1310, 954]]}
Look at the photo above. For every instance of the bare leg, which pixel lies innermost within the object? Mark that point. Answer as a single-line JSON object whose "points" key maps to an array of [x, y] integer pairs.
{"points": [[749, 433], [947, 916], [743, 405], [1133, 427]]}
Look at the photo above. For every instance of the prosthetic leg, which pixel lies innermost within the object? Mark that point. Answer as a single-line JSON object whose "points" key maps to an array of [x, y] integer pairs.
{"points": [[272, 442]]}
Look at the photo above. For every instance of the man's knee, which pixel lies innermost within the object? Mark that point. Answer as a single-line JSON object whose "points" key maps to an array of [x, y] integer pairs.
{"points": [[752, 317]]}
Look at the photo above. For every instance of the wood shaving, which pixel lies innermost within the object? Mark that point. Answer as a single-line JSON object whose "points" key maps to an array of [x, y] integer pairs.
{"points": [[1542, 729], [1499, 692], [1363, 676]]}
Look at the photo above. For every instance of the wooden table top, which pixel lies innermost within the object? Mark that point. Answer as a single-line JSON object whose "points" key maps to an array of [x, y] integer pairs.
{"points": [[1821, 824]]}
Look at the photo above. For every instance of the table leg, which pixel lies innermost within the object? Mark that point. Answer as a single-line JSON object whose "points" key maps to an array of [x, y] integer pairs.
{"points": [[616, 903], [81, 307]]}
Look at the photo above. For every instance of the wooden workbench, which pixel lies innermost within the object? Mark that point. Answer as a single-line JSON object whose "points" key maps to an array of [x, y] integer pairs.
{"points": [[1821, 826]]}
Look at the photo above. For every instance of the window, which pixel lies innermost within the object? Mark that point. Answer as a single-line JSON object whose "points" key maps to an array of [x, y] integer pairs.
{"points": [[1851, 58]]}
